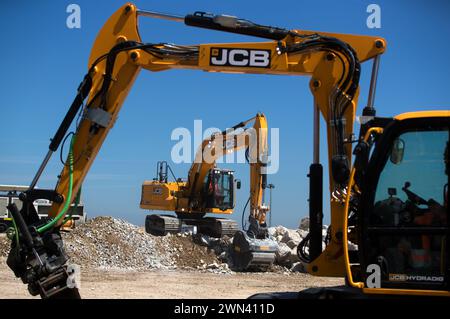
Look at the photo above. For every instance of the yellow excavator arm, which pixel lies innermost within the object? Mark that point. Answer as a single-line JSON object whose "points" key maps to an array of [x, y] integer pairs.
{"points": [[118, 54], [225, 143], [332, 60]]}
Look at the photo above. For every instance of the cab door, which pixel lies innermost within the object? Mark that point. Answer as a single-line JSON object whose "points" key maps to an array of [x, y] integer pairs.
{"points": [[405, 206], [219, 189]]}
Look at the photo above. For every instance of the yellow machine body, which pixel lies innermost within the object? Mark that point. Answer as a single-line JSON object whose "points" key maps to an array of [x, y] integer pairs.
{"points": [[160, 196], [163, 196], [324, 67]]}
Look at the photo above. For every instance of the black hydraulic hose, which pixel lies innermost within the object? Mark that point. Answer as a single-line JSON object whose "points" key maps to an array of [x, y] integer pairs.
{"points": [[21, 225], [83, 92], [173, 175], [334, 44], [301, 250], [243, 214], [349, 85], [110, 60], [132, 45]]}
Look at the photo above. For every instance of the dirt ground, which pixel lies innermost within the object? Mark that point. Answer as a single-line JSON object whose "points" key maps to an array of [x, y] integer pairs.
{"points": [[166, 284]]}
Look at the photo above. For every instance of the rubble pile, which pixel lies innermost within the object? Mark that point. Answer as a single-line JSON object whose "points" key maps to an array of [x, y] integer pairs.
{"points": [[106, 242], [110, 243], [288, 241], [189, 253]]}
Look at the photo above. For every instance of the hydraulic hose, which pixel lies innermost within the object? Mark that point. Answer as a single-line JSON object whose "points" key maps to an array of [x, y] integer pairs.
{"points": [[16, 232], [73, 209], [243, 214], [69, 193]]}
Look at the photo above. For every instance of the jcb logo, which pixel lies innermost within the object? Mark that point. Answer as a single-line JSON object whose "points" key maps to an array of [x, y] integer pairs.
{"points": [[240, 57]]}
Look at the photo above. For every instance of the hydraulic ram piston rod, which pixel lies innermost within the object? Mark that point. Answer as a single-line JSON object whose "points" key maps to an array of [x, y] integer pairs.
{"points": [[159, 15]]}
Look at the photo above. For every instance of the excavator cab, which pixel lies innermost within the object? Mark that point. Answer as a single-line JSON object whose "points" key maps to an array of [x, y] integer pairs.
{"points": [[218, 189], [405, 206]]}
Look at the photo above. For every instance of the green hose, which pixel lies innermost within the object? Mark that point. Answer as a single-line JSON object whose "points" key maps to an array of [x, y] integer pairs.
{"points": [[73, 209], [11, 230], [16, 232], [69, 194]]}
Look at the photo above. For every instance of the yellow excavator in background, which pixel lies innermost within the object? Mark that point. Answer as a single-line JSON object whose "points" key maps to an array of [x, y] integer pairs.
{"points": [[402, 238], [216, 196], [210, 190]]}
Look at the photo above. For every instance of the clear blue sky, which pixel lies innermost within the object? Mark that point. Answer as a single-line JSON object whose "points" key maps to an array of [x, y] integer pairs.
{"points": [[42, 63]]}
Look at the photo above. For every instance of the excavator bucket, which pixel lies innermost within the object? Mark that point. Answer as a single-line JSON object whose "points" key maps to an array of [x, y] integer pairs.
{"points": [[251, 253]]}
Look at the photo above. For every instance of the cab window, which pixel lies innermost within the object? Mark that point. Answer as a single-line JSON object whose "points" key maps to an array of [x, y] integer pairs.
{"points": [[408, 226]]}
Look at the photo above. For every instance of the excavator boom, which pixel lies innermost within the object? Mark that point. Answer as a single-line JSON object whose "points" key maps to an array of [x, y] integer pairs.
{"points": [[118, 54]]}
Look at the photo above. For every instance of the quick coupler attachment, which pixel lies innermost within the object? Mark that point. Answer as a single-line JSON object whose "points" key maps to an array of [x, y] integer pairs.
{"points": [[38, 259]]}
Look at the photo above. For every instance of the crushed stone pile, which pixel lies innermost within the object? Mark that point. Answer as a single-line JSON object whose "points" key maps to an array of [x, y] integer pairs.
{"points": [[286, 258], [110, 243], [288, 241], [114, 244], [106, 242], [186, 253]]}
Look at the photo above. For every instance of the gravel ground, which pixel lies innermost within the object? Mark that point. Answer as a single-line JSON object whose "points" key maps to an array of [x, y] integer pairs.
{"points": [[168, 284]]}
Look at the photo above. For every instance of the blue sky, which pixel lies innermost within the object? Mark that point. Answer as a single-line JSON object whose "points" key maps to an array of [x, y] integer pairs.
{"points": [[42, 63]]}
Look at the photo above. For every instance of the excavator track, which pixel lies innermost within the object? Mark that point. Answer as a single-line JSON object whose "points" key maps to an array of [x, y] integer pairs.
{"points": [[161, 225], [214, 227]]}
